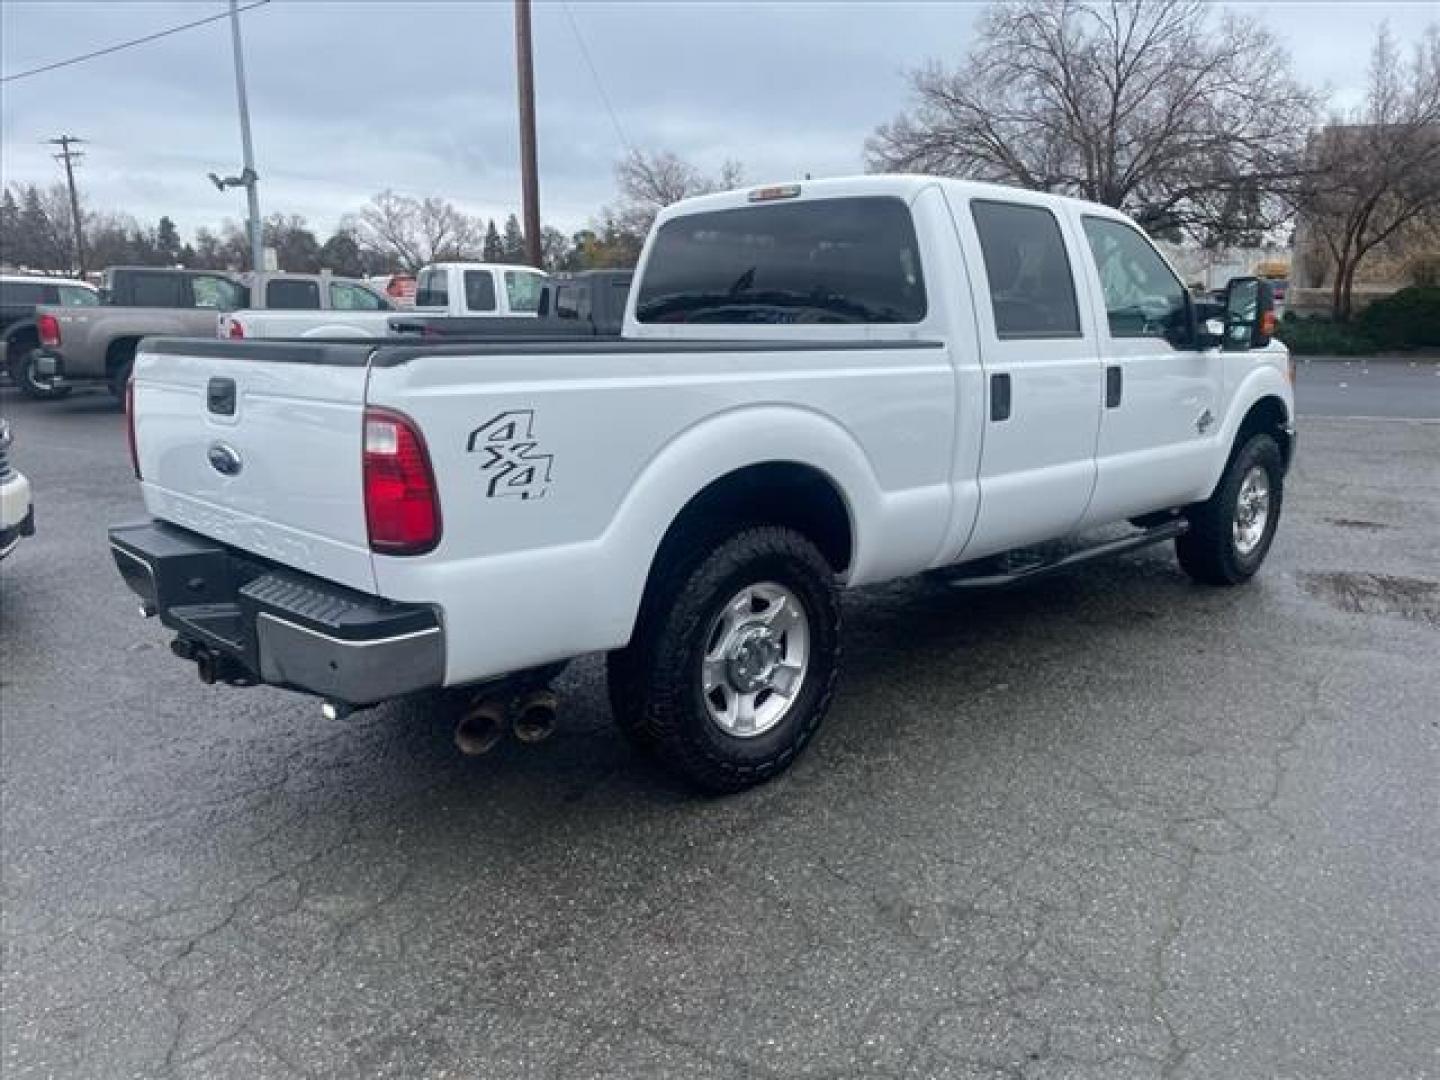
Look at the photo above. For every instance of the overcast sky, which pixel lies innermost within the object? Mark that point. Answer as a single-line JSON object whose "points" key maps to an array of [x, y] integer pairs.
{"points": [[350, 98]]}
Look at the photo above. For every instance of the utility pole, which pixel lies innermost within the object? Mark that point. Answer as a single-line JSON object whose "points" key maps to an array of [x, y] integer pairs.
{"points": [[247, 176], [69, 156], [529, 179]]}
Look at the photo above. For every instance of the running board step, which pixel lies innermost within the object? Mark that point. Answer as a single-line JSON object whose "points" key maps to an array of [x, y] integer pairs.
{"points": [[1157, 535]]}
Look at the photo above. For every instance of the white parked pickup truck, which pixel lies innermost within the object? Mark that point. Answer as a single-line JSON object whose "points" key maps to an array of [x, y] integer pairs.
{"points": [[818, 385], [494, 290]]}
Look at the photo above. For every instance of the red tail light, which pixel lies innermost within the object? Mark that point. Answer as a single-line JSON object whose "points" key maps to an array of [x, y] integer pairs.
{"points": [[130, 425], [49, 328], [236, 329], [402, 505]]}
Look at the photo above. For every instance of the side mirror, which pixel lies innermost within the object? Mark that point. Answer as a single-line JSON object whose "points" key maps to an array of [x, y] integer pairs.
{"points": [[1249, 313]]}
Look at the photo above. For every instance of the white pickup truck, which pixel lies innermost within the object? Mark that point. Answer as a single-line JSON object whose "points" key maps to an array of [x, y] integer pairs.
{"points": [[817, 385], [494, 290]]}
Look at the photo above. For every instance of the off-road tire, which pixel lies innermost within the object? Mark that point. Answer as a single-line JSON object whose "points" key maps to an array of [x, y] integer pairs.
{"points": [[654, 682], [22, 374], [1208, 552]]}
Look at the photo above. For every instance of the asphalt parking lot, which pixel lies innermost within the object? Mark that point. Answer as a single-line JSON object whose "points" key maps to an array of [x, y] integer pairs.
{"points": [[1108, 825]]}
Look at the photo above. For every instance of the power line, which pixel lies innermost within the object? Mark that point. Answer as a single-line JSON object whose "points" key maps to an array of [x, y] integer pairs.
{"points": [[595, 74], [126, 44]]}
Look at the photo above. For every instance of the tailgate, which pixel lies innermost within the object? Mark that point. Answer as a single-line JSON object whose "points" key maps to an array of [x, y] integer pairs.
{"points": [[258, 445]]}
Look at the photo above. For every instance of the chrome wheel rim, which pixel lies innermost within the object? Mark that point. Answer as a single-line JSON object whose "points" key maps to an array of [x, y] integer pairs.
{"points": [[757, 653], [1252, 510]]}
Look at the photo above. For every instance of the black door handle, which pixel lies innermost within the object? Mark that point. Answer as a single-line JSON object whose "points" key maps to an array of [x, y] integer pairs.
{"points": [[1114, 386], [999, 397]]}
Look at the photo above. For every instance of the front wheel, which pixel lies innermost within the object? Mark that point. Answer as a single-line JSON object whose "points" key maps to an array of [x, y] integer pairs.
{"points": [[734, 660], [1231, 532], [31, 383]]}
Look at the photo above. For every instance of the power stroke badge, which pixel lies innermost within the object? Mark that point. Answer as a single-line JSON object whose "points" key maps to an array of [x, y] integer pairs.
{"points": [[512, 461]]}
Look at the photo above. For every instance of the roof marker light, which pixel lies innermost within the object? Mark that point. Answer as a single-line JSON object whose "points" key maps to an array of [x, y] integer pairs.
{"points": [[778, 191]]}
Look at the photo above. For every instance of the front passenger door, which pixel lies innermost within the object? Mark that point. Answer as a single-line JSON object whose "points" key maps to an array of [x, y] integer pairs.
{"points": [[1161, 416]]}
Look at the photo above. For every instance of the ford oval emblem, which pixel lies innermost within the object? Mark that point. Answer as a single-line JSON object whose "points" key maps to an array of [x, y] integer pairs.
{"points": [[225, 459]]}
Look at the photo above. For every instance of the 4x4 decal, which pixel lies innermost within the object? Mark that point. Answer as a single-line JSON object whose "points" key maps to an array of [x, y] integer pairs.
{"points": [[512, 462]]}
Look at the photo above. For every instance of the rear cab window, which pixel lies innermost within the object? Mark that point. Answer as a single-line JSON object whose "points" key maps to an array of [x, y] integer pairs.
{"points": [[838, 260], [1031, 285], [292, 294]]}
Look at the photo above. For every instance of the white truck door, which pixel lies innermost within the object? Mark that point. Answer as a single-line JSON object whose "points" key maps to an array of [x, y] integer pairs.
{"points": [[1043, 376], [1162, 395]]}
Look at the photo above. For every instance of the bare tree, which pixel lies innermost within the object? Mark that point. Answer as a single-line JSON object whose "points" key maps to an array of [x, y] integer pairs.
{"points": [[1377, 172], [1147, 105], [650, 182], [412, 232]]}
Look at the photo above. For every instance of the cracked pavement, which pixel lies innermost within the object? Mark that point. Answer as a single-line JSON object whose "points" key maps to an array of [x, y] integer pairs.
{"points": [[1108, 825]]}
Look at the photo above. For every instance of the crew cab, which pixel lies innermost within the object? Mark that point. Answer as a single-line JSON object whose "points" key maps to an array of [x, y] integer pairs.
{"points": [[446, 290], [818, 386], [98, 343]]}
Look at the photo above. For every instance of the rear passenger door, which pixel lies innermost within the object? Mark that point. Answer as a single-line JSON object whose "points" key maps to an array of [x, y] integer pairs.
{"points": [[1043, 376], [1161, 416]]}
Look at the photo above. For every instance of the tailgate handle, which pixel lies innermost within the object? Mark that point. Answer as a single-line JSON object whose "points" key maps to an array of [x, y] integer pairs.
{"points": [[220, 396]]}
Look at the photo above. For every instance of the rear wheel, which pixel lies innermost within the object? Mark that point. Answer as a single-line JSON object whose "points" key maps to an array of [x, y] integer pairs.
{"points": [[1231, 532], [734, 660], [31, 383]]}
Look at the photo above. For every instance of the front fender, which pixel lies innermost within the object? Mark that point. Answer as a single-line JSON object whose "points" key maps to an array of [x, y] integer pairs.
{"points": [[1263, 381]]}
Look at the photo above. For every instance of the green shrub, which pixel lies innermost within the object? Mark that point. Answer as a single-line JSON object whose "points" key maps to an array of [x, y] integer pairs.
{"points": [[1321, 337], [1406, 319]]}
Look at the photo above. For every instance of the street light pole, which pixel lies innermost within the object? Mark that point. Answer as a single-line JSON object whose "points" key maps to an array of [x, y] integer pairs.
{"points": [[248, 176], [529, 178]]}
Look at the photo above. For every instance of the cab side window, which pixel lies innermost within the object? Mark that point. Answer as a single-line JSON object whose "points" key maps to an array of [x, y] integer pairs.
{"points": [[347, 297], [215, 292], [479, 290], [1032, 291], [291, 294], [74, 296], [1143, 298], [432, 288], [523, 290], [156, 290]]}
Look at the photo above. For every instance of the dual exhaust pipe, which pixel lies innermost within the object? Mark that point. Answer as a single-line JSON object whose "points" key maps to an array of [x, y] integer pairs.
{"points": [[481, 728], [483, 725]]}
